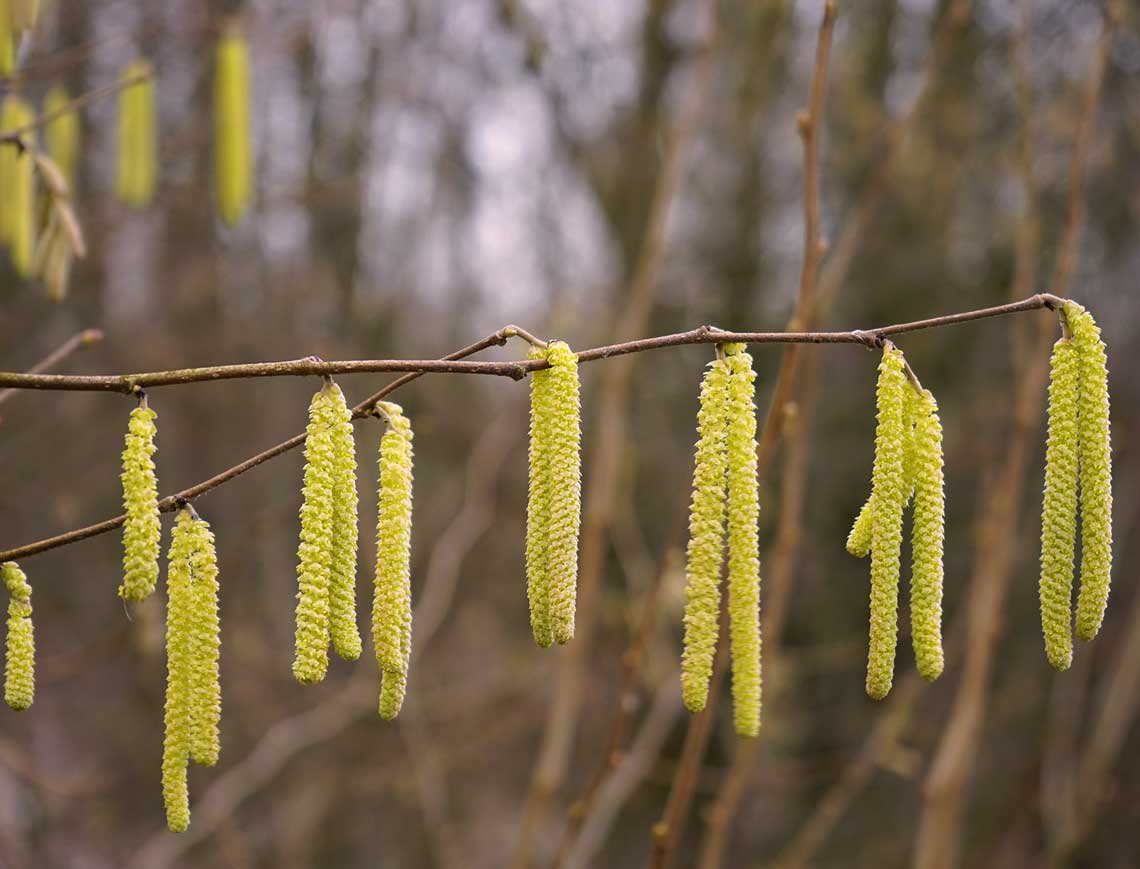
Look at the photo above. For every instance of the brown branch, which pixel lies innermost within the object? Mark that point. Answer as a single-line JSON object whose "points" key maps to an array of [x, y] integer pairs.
{"points": [[80, 339]]}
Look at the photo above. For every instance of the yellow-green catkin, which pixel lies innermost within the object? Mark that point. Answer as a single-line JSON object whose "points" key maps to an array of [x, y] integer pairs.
{"points": [[232, 150], [1059, 506], [142, 528], [743, 512], [888, 490], [62, 134], [7, 41], [392, 597], [925, 467], [705, 553], [1095, 472], [20, 660], [205, 647], [314, 552], [137, 136], [554, 507], [342, 583], [179, 671], [17, 180]]}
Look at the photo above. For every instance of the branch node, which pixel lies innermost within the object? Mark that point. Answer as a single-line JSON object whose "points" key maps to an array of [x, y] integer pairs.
{"points": [[870, 340]]}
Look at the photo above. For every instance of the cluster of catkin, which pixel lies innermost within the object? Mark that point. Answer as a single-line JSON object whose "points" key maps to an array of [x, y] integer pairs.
{"points": [[1078, 471], [725, 503], [326, 570], [908, 463], [554, 503]]}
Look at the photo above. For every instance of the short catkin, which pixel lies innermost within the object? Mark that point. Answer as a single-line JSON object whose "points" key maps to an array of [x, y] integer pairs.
{"points": [[179, 671], [1095, 441], [554, 508], [20, 656], [142, 527], [232, 160], [314, 569], [889, 493], [925, 468], [62, 134], [205, 646], [342, 588], [392, 597], [137, 165], [743, 513], [705, 553], [1059, 505], [17, 180]]}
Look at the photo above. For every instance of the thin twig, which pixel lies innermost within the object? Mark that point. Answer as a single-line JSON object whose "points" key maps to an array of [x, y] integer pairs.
{"points": [[80, 339]]}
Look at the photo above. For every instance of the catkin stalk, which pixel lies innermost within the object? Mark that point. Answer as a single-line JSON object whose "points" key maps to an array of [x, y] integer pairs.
{"points": [[137, 137], [705, 553], [342, 589], [392, 600], [232, 152], [143, 526], [179, 673], [925, 467], [205, 647], [20, 656], [1095, 441], [743, 511], [888, 492]]}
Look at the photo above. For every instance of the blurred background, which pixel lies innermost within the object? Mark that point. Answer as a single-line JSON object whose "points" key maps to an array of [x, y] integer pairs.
{"points": [[427, 172]]}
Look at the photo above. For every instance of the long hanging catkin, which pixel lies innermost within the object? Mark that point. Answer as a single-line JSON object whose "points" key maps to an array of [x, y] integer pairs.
{"points": [[888, 491], [17, 180], [205, 646], [925, 468], [137, 136], [20, 659], [705, 553], [342, 588], [7, 46], [62, 134], [743, 509], [1095, 472], [143, 527], [1059, 506], [232, 160], [314, 553], [392, 599], [179, 672], [554, 507]]}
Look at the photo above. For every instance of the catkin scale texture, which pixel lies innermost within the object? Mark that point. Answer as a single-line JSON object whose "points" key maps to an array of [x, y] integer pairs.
{"points": [[743, 511], [1095, 444], [1059, 505], [314, 569], [538, 505], [232, 153], [179, 672], [925, 470], [342, 589], [20, 654], [392, 599], [888, 493], [204, 647], [137, 137], [142, 528], [17, 180], [705, 552]]}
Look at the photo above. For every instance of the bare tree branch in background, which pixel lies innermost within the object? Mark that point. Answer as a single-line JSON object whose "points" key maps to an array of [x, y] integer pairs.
{"points": [[76, 342]]}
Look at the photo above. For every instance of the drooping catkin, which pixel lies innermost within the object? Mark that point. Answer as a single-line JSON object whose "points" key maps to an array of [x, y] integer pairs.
{"points": [[342, 583], [232, 154], [20, 659], [62, 134], [392, 599], [143, 527], [925, 467], [314, 552], [205, 647], [137, 136], [1095, 441], [888, 492], [705, 553], [554, 508], [743, 511], [179, 672], [17, 180], [7, 42], [1059, 505]]}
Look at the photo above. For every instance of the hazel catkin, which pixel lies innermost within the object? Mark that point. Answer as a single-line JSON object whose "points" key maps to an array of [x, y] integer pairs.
{"points": [[204, 646], [888, 493], [743, 509], [179, 672], [1095, 445], [232, 153], [62, 134], [342, 582], [925, 469], [138, 133], [705, 553], [392, 598], [17, 179], [142, 527], [20, 656]]}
